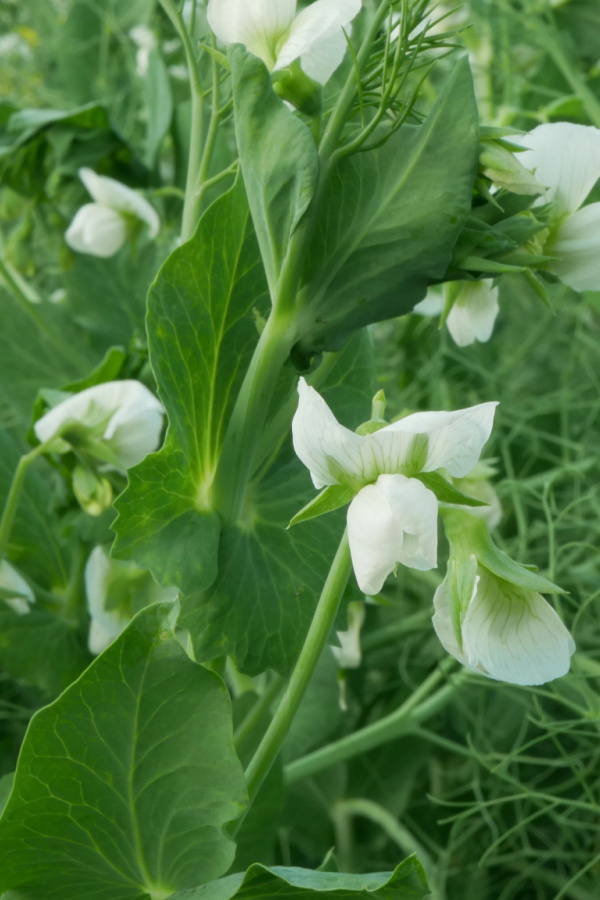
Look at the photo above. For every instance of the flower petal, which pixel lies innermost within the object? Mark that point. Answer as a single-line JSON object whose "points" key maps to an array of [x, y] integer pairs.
{"points": [[566, 158], [108, 408], [473, 315], [117, 196], [327, 449], [259, 24], [514, 635], [442, 622], [431, 305], [10, 580], [106, 624], [323, 57], [577, 243], [315, 24], [390, 522], [455, 439], [349, 654], [97, 231]]}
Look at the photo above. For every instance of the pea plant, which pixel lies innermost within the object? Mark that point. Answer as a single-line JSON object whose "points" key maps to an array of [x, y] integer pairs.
{"points": [[218, 502]]}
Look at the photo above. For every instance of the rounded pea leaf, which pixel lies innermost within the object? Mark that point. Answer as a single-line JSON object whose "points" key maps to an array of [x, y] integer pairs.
{"points": [[125, 782], [258, 883]]}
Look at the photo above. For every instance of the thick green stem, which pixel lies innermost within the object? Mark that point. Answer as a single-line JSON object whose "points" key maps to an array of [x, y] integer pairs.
{"points": [[310, 654], [246, 426], [412, 712], [191, 203], [249, 415], [14, 494]]}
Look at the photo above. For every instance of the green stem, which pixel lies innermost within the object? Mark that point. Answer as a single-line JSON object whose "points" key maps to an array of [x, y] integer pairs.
{"points": [[553, 45], [14, 494], [202, 183], [310, 654], [252, 720], [412, 712], [245, 429], [249, 414], [190, 206], [389, 634]]}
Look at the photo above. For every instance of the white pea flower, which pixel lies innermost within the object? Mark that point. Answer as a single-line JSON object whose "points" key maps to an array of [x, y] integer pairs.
{"points": [[271, 30], [115, 592], [14, 590], [476, 485], [473, 312], [145, 40], [349, 655], [101, 228], [507, 632], [119, 422], [566, 159], [393, 516]]}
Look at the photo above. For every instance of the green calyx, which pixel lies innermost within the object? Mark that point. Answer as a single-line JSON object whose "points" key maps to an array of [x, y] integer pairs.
{"points": [[294, 86], [469, 538]]}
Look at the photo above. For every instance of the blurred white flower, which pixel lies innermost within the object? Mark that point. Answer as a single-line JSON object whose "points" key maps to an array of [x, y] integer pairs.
{"points": [[566, 159], [14, 590], [119, 422], [473, 312], [271, 30], [505, 632], [348, 655], [476, 485], [102, 228], [115, 592], [393, 516], [145, 40]]}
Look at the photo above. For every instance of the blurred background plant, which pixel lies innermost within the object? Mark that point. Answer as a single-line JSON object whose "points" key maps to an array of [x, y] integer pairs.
{"points": [[497, 788]]}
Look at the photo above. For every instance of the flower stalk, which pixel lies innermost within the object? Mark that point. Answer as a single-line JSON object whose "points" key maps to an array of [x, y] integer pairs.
{"points": [[316, 639]]}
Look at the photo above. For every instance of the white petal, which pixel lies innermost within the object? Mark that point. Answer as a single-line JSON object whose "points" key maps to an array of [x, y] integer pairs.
{"points": [[100, 638], [432, 305], [258, 24], [349, 655], [322, 58], [11, 580], [442, 622], [133, 434], [390, 522], [106, 408], [110, 193], [456, 439], [97, 231], [515, 635], [566, 158], [106, 624], [577, 243], [326, 448], [317, 22], [473, 315]]}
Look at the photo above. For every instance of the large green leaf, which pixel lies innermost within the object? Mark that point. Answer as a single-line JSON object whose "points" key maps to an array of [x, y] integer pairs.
{"points": [[201, 333], [125, 782], [278, 158], [408, 881], [390, 220], [260, 606]]}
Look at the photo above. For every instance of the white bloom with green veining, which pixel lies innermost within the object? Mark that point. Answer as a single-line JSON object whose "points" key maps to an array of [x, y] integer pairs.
{"points": [[271, 30], [393, 516], [507, 632], [101, 228], [119, 422], [566, 159]]}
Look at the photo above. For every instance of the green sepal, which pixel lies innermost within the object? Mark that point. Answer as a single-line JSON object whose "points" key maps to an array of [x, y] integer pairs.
{"points": [[468, 535], [328, 500], [446, 492]]}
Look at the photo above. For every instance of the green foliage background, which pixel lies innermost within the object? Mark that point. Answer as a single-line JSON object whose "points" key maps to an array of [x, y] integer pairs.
{"points": [[497, 788]]}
